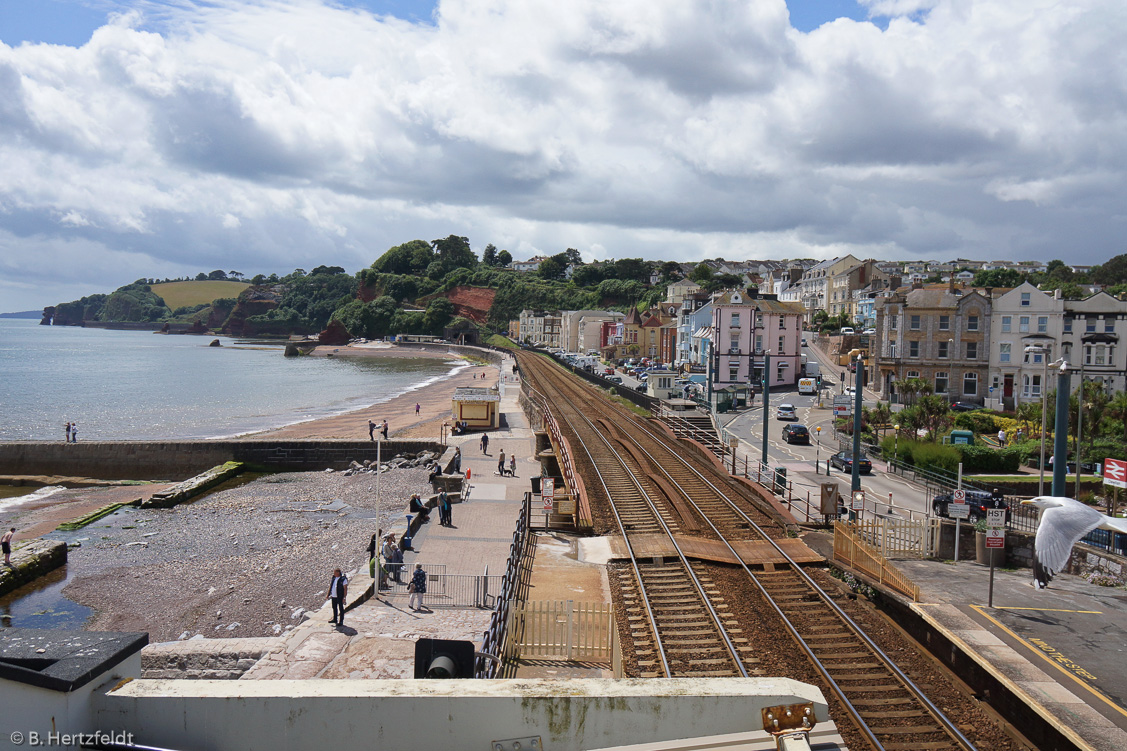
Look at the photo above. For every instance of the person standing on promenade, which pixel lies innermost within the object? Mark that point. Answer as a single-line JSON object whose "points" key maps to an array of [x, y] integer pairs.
{"points": [[417, 588], [371, 431], [385, 430], [513, 465], [6, 545], [501, 463], [458, 460], [68, 433], [485, 443], [338, 590], [373, 552], [444, 515], [74, 432]]}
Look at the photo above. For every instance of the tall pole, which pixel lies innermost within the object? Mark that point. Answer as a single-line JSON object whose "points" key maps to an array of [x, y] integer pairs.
{"points": [[859, 384], [1060, 432], [766, 380], [1079, 420], [1044, 418]]}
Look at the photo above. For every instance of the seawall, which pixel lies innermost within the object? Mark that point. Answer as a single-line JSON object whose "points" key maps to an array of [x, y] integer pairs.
{"points": [[179, 460]]}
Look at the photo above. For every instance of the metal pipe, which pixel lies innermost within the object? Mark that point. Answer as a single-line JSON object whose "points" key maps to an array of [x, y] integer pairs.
{"points": [[1060, 432]]}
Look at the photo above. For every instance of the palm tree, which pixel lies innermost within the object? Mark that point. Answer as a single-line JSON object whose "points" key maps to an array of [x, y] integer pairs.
{"points": [[1116, 409], [1029, 413]]}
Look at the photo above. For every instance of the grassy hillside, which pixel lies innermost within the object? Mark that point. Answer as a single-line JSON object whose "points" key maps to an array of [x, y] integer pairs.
{"points": [[181, 294]]}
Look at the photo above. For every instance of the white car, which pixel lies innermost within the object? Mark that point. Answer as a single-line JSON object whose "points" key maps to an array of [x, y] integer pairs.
{"points": [[869, 332], [786, 412], [847, 331]]}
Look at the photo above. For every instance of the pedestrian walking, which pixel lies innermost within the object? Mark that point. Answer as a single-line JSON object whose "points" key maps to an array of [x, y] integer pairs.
{"points": [[6, 545], [501, 463], [445, 517], [1019, 435], [338, 590], [513, 465], [385, 430], [1001, 438], [485, 443], [373, 553], [417, 408], [417, 588], [371, 431], [388, 549], [458, 460]]}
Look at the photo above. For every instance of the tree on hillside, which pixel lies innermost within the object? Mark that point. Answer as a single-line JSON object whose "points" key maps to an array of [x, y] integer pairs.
{"points": [[671, 270], [489, 255], [702, 274], [402, 259], [631, 269], [997, 278], [438, 314], [1113, 271], [553, 267], [455, 253], [587, 275], [217, 275], [504, 258], [201, 277], [573, 257]]}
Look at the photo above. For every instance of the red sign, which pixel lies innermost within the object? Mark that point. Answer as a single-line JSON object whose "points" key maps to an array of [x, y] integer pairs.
{"points": [[1115, 473], [995, 538]]}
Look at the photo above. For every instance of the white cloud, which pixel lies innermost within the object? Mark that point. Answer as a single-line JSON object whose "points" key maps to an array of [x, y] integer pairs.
{"points": [[275, 133]]}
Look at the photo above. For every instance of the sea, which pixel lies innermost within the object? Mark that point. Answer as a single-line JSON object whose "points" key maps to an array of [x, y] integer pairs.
{"points": [[141, 385]]}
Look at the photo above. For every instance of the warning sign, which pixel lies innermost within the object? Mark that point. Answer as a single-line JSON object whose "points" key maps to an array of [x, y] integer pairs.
{"points": [[995, 538]]}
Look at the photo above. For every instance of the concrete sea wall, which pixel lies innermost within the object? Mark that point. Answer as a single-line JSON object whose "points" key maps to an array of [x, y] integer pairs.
{"points": [[179, 460]]}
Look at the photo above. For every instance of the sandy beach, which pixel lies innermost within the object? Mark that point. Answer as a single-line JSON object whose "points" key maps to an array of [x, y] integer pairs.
{"points": [[434, 401]]}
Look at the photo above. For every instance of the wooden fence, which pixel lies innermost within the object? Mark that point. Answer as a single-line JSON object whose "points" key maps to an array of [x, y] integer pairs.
{"points": [[563, 630], [851, 550]]}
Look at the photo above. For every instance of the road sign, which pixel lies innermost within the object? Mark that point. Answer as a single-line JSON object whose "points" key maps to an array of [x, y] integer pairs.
{"points": [[959, 496], [995, 538], [996, 518], [548, 491], [1115, 473], [958, 510], [858, 500]]}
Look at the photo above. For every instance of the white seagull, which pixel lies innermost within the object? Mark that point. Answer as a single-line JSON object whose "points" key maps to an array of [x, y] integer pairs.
{"points": [[1063, 522]]}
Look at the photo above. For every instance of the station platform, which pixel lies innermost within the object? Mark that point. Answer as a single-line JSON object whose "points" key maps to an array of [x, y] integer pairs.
{"points": [[378, 638], [1061, 651]]}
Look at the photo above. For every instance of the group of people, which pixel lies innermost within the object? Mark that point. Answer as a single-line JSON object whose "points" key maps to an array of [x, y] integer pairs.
{"points": [[72, 432], [511, 471], [374, 426], [390, 559], [459, 428]]}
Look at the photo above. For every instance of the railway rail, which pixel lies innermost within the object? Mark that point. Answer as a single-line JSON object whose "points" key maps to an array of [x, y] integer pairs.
{"points": [[680, 622]]}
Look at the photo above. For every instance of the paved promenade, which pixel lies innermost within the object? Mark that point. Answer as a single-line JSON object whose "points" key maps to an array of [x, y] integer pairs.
{"points": [[377, 640]]}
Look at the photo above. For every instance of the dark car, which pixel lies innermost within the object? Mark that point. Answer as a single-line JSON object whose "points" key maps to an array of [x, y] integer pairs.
{"points": [[964, 406], [795, 433], [977, 503], [843, 460]]}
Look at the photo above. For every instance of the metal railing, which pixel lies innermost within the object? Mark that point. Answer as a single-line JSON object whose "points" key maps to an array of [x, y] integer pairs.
{"points": [[451, 590], [493, 640]]}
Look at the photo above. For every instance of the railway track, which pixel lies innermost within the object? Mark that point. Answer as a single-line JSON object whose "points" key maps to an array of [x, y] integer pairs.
{"points": [[679, 621]]}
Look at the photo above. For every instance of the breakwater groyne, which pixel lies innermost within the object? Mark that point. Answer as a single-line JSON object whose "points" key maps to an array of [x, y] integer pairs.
{"points": [[179, 460]]}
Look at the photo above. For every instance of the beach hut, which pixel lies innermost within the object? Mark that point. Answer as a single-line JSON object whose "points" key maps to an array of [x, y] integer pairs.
{"points": [[479, 407]]}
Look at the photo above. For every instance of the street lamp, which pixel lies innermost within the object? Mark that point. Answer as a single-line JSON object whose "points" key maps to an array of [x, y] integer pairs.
{"points": [[896, 443], [818, 450], [766, 381]]}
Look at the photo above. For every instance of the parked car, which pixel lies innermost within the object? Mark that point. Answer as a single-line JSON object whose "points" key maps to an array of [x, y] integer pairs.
{"points": [[614, 379], [843, 460], [964, 406], [803, 341], [643, 377], [847, 331], [977, 503], [786, 412], [869, 332], [796, 433], [608, 371], [640, 387]]}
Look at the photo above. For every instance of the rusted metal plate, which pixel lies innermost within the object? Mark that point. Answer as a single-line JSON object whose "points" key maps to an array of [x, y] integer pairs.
{"points": [[751, 552]]}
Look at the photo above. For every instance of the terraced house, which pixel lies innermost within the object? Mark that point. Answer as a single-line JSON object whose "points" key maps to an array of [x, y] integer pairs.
{"points": [[745, 328], [939, 334]]}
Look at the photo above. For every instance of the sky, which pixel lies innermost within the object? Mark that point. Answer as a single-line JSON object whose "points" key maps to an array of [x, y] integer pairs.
{"points": [[161, 138]]}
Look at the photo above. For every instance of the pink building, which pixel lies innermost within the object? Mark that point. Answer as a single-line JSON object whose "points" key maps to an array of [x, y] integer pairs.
{"points": [[744, 328]]}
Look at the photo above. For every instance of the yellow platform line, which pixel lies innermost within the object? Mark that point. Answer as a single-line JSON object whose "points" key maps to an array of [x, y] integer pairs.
{"points": [[1049, 610], [978, 609]]}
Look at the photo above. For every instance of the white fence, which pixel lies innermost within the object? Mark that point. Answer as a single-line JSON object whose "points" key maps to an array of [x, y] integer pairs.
{"points": [[564, 630], [901, 537]]}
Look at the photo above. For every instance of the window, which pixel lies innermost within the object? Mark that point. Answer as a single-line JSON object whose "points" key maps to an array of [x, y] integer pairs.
{"points": [[778, 375], [1023, 324], [1068, 325], [735, 321], [1042, 324], [1006, 320], [782, 323], [1088, 354], [1025, 299], [915, 323], [972, 350], [913, 349], [733, 372], [782, 340], [1034, 357], [759, 342], [944, 323], [1090, 325], [892, 349], [941, 383], [1036, 386], [913, 374], [1109, 325], [1100, 353], [970, 384], [1004, 351], [972, 323], [943, 350], [734, 346], [892, 322]]}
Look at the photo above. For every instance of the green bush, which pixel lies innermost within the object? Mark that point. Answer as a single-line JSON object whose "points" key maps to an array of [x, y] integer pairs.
{"points": [[979, 422], [977, 459], [934, 457]]}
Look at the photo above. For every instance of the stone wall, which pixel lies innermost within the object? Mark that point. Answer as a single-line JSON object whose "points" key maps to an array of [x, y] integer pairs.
{"points": [[205, 659], [179, 460], [30, 561]]}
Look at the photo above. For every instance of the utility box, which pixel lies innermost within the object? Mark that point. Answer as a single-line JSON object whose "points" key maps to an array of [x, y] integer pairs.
{"points": [[965, 437], [831, 498]]}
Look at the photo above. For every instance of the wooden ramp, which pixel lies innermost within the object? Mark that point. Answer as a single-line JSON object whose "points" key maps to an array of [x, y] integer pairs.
{"points": [[751, 552]]}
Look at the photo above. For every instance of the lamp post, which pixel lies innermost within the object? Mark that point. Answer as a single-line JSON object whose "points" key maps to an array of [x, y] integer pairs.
{"points": [[766, 398], [1060, 430], [859, 385], [1036, 349], [818, 450], [895, 443]]}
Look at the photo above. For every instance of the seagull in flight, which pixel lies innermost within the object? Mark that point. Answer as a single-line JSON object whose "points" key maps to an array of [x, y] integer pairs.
{"points": [[1063, 523]]}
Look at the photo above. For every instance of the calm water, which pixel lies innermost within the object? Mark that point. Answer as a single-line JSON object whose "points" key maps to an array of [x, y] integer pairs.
{"points": [[139, 385]]}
